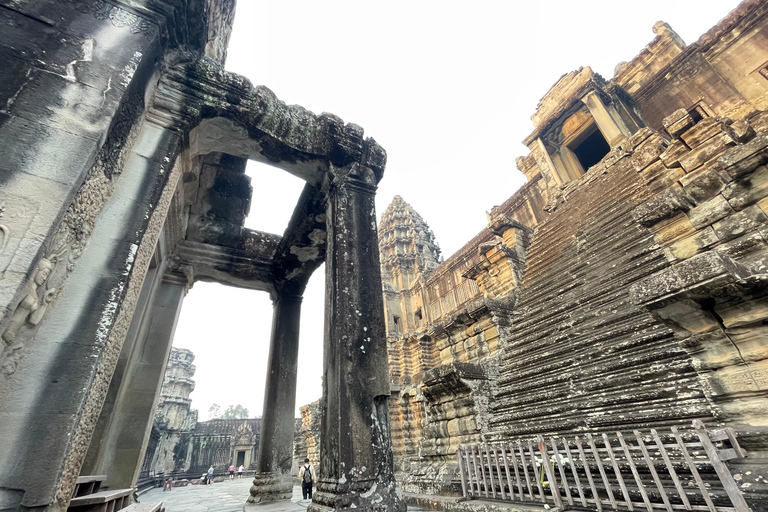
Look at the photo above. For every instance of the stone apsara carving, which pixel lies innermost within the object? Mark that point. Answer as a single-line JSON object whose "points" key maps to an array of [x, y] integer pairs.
{"points": [[78, 223], [32, 307]]}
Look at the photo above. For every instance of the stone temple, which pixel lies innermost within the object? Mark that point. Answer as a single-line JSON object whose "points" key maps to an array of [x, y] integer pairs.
{"points": [[602, 344]]}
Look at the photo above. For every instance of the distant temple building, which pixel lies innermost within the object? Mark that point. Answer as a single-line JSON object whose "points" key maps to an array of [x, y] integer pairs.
{"points": [[183, 446]]}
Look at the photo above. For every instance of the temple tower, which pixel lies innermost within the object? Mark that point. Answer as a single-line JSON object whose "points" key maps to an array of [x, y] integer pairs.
{"points": [[409, 251]]}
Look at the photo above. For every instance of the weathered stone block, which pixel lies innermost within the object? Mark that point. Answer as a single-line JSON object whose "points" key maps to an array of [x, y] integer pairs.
{"points": [[748, 189], [638, 138], [741, 131], [743, 159], [703, 131], [702, 184], [709, 269], [744, 313], [689, 315], [710, 211], [750, 341], [663, 206], [648, 152], [707, 151], [669, 230], [742, 246], [669, 178], [739, 223], [691, 245], [678, 122], [676, 150]]}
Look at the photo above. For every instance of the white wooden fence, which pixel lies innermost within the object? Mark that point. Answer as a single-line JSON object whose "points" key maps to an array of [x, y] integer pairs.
{"points": [[682, 470]]}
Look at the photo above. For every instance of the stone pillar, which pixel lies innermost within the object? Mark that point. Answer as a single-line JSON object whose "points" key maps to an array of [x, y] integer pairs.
{"points": [[273, 481], [611, 126], [125, 440], [356, 452]]}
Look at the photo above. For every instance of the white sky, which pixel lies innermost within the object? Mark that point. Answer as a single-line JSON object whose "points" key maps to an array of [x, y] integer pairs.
{"points": [[447, 89]]}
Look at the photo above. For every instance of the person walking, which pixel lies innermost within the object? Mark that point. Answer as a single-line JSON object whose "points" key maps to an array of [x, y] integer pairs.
{"points": [[210, 475], [240, 471], [232, 472], [308, 479]]}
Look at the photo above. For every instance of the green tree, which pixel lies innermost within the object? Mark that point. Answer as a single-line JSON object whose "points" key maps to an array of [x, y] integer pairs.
{"points": [[214, 412], [235, 412]]}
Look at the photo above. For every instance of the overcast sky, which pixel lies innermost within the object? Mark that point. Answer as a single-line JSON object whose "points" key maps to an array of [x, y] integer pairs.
{"points": [[447, 88]]}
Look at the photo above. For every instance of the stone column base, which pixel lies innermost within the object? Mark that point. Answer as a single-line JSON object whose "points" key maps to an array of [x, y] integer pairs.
{"points": [[269, 487], [364, 496]]}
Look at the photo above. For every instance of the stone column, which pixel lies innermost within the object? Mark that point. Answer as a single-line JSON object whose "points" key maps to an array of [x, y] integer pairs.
{"points": [[273, 481], [611, 126], [356, 468], [126, 438]]}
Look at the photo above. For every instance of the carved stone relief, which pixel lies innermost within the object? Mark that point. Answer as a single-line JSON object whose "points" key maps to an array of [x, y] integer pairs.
{"points": [[16, 215]]}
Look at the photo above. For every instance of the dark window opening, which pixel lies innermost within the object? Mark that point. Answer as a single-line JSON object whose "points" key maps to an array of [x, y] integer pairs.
{"points": [[698, 113], [418, 317], [591, 150], [764, 72], [240, 458], [397, 323]]}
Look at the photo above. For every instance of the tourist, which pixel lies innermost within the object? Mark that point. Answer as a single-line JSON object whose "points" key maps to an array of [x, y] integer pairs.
{"points": [[307, 477], [240, 471], [210, 475], [168, 484], [232, 472]]}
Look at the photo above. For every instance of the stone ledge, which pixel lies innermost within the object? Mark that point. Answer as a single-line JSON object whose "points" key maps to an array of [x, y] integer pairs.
{"points": [[699, 273]]}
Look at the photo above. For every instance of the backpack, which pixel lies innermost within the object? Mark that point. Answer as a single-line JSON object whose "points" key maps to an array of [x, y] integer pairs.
{"points": [[307, 475]]}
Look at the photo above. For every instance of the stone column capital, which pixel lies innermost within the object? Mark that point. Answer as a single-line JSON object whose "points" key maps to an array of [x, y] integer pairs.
{"points": [[284, 297], [355, 176]]}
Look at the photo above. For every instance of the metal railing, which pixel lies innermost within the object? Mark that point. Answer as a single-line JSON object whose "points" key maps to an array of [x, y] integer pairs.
{"points": [[682, 470]]}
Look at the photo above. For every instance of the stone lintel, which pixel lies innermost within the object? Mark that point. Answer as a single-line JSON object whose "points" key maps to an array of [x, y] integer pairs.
{"points": [[197, 94], [249, 268]]}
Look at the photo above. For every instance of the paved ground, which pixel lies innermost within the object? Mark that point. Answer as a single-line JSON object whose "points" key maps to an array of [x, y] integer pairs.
{"points": [[227, 496]]}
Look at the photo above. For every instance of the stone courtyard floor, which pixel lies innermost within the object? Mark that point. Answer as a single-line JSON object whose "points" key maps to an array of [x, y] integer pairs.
{"points": [[226, 496]]}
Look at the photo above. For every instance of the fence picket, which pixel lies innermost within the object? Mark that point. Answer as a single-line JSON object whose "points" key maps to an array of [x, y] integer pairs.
{"points": [[490, 471], [482, 471], [695, 472], [598, 502], [575, 473], [553, 487], [652, 469], [506, 471], [671, 469], [616, 470], [477, 472], [517, 473], [632, 467], [601, 469], [461, 472], [562, 471], [729, 484], [525, 469], [498, 473], [536, 472]]}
